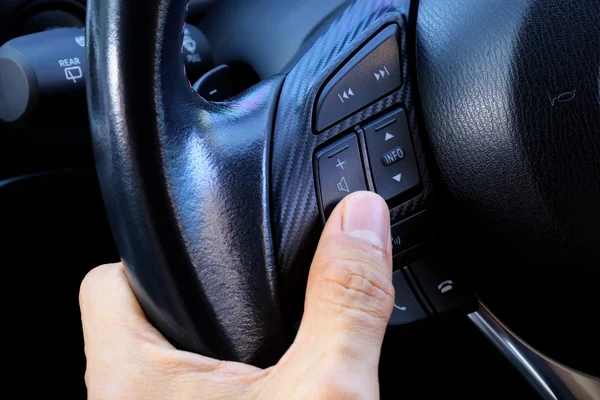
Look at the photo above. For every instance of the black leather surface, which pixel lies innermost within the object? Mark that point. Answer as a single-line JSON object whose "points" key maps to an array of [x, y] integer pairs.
{"points": [[185, 184], [511, 102], [296, 221]]}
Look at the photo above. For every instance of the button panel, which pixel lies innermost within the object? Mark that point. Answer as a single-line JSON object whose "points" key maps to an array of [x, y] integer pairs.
{"points": [[429, 287], [340, 172], [370, 74], [379, 155], [392, 158]]}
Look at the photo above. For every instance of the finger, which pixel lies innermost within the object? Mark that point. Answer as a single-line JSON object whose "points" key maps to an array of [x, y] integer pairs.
{"points": [[128, 358], [115, 326], [349, 297], [110, 312]]}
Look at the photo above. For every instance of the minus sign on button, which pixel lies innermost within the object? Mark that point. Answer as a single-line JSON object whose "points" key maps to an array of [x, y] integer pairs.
{"points": [[386, 123], [338, 151]]}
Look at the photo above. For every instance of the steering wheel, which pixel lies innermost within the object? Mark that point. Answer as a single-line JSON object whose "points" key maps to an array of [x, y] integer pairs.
{"points": [[216, 208]]}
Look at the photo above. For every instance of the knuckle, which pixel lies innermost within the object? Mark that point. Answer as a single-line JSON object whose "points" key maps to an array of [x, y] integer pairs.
{"points": [[136, 374], [334, 386], [358, 284], [170, 363]]}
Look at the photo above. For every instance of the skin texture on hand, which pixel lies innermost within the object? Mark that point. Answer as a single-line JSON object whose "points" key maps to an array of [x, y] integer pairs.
{"points": [[349, 299]]}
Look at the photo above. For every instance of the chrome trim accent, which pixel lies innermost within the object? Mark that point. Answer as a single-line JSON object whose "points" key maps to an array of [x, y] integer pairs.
{"points": [[549, 378]]}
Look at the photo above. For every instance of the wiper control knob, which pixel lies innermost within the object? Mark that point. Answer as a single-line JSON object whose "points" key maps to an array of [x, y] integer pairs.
{"points": [[37, 69], [41, 71]]}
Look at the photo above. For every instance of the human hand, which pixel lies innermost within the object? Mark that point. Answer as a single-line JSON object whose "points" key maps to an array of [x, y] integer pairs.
{"points": [[349, 299]]}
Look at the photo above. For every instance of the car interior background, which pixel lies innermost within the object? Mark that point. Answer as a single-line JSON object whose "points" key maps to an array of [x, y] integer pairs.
{"points": [[54, 225]]}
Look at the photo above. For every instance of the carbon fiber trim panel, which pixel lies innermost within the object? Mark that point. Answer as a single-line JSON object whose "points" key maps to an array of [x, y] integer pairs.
{"points": [[296, 221]]}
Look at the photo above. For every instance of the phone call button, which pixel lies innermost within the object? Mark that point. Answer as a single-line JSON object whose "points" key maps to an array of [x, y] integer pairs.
{"points": [[441, 284], [406, 306]]}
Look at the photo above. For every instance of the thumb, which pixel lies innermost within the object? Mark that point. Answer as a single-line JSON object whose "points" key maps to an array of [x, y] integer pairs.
{"points": [[349, 297]]}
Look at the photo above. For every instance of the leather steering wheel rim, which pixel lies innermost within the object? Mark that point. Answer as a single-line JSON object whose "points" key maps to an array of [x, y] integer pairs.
{"points": [[213, 205], [201, 267]]}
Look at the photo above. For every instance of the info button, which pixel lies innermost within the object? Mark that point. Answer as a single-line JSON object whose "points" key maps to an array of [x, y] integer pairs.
{"points": [[393, 160]]}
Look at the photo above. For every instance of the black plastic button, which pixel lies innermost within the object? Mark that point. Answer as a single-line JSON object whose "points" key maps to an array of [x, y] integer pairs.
{"points": [[389, 138], [373, 72], [406, 306], [340, 172], [411, 231], [441, 284]]}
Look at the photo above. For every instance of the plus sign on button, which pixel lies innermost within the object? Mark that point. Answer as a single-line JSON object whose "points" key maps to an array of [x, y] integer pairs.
{"points": [[340, 172]]}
